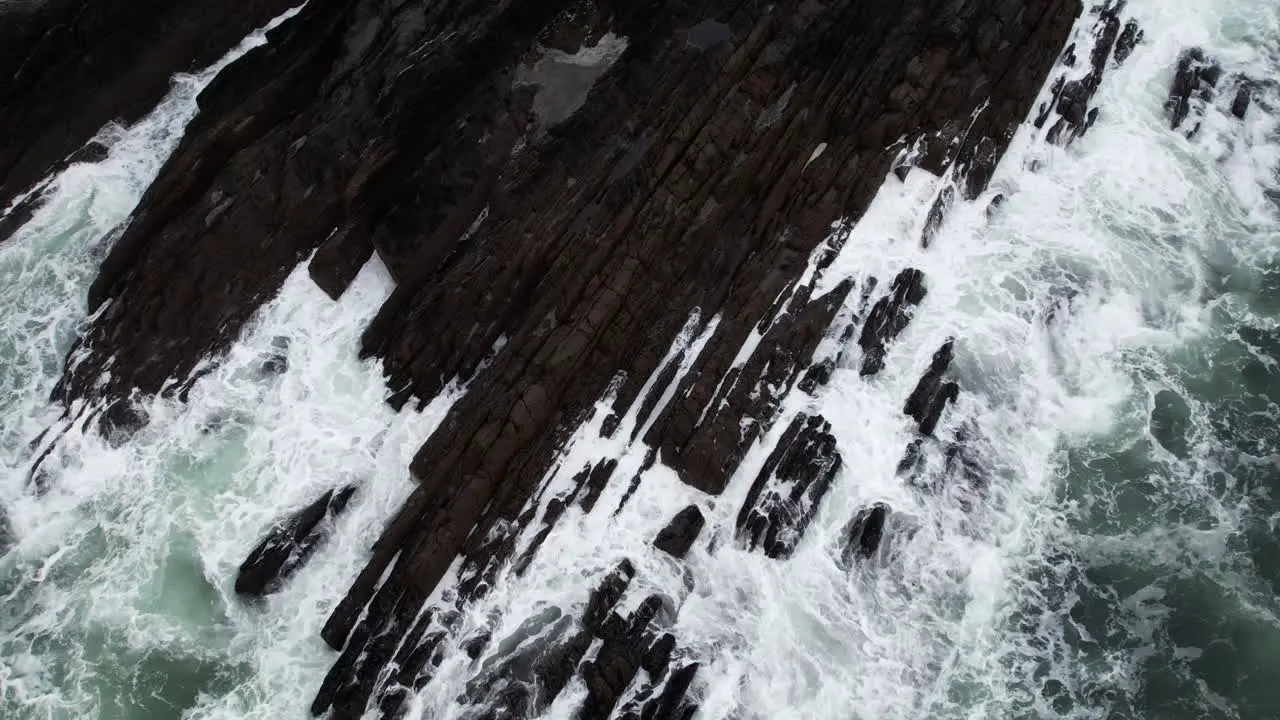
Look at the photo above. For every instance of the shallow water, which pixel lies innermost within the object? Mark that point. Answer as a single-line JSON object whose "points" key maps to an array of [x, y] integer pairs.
{"points": [[1100, 573]]}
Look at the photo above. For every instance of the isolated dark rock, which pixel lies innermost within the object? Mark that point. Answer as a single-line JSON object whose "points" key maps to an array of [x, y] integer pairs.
{"points": [[289, 544], [931, 394], [789, 488], [993, 208], [861, 537], [679, 534], [1244, 95]]}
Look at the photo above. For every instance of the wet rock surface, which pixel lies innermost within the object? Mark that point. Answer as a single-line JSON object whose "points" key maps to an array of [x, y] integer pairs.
{"points": [[790, 487], [72, 66], [862, 536], [679, 534], [1111, 41], [289, 544], [931, 395], [1193, 86], [889, 317], [550, 249]]}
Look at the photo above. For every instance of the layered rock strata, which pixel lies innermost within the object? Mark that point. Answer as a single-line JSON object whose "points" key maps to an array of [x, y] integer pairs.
{"points": [[564, 191], [73, 66]]}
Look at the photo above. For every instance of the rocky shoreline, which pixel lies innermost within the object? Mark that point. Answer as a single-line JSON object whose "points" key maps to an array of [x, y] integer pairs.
{"points": [[630, 202]]}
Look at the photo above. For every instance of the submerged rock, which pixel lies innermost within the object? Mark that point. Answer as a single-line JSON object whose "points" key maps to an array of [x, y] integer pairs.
{"points": [[1171, 422], [6, 531], [289, 544], [276, 360]]}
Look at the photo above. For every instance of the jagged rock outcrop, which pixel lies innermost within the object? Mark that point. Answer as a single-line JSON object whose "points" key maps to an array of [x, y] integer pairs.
{"points": [[289, 544], [1072, 97], [931, 395], [72, 66], [889, 317], [551, 236], [790, 487], [1193, 85]]}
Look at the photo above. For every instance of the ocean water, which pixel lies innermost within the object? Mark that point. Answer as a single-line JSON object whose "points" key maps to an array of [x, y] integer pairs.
{"points": [[1117, 327]]}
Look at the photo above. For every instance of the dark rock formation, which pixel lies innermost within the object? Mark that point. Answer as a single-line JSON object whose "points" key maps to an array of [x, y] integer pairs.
{"points": [[790, 487], [678, 536], [658, 656], [1170, 423], [1128, 40], [1192, 89], [673, 702], [937, 213], [910, 457], [710, 426], [931, 395], [1244, 95], [550, 241], [72, 66], [592, 483], [1071, 98], [604, 597], [861, 537], [289, 544], [818, 375], [888, 318]]}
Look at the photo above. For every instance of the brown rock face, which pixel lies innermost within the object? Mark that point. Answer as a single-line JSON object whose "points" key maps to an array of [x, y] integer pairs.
{"points": [[552, 230]]}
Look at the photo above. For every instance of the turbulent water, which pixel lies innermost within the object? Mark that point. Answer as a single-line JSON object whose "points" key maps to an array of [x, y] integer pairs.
{"points": [[1118, 332]]}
